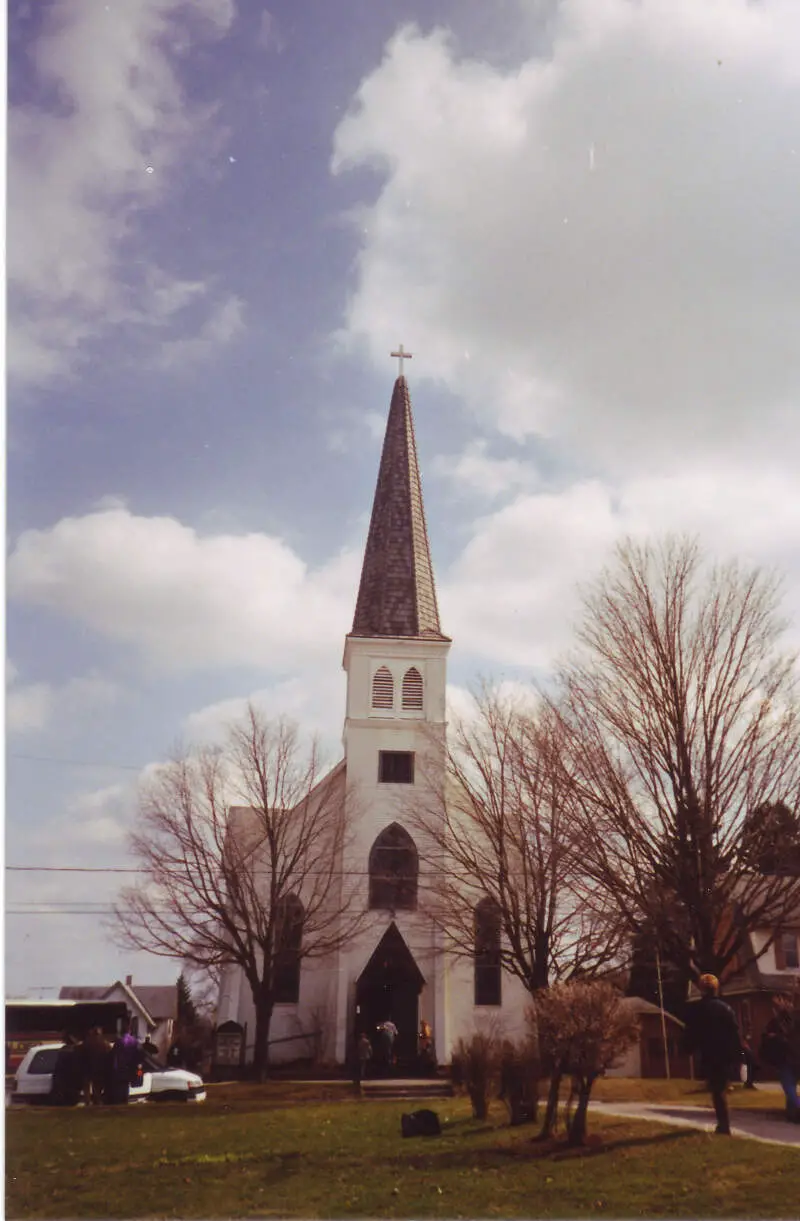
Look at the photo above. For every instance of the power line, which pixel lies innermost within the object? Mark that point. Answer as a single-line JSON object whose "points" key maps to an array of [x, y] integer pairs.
{"points": [[50, 911], [306, 873], [71, 869], [123, 767]]}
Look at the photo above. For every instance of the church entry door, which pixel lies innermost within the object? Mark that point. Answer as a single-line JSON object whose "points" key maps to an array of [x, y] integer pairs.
{"points": [[388, 989]]}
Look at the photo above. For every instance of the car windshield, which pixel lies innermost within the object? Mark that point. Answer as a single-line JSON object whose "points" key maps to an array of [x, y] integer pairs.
{"points": [[44, 1061]]}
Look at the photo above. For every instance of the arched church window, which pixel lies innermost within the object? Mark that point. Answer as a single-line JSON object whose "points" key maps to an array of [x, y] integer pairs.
{"points": [[487, 953], [412, 688], [393, 870], [382, 688], [288, 942]]}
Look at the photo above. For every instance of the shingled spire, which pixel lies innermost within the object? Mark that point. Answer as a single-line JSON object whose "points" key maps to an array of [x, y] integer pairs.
{"points": [[397, 596]]}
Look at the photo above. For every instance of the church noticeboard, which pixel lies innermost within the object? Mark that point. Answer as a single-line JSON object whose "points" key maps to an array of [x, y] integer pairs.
{"points": [[228, 1045]]}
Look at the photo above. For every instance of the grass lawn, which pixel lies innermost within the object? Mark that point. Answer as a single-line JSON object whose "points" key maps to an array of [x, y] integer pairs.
{"points": [[311, 1151], [694, 1093]]}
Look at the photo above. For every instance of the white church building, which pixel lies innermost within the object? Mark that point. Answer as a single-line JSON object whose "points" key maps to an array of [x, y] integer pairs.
{"points": [[395, 658]]}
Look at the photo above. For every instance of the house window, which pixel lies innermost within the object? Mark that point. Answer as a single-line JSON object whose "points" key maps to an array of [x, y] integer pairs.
{"points": [[412, 688], [786, 951], [393, 870], [487, 953], [383, 688], [288, 940], [396, 767]]}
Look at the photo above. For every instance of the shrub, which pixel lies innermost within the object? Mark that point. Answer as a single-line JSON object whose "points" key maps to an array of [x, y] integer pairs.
{"points": [[519, 1080], [475, 1068], [582, 1028]]}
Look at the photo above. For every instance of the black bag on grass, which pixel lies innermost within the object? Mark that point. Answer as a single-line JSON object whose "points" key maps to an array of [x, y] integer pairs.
{"points": [[420, 1123]]}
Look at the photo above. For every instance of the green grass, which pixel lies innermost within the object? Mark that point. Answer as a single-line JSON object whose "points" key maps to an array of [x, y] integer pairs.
{"points": [[634, 1089], [276, 1151]]}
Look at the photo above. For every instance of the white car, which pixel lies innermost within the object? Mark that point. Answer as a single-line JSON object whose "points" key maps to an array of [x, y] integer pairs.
{"points": [[34, 1079]]}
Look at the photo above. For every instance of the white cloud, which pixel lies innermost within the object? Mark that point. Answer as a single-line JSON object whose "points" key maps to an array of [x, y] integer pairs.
{"points": [[314, 699], [512, 596], [186, 601], [86, 162], [28, 707], [598, 245], [270, 36], [475, 472], [32, 706], [223, 324]]}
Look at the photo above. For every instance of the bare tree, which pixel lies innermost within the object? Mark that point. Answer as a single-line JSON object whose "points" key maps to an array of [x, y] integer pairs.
{"points": [[498, 833], [679, 720], [241, 852]]}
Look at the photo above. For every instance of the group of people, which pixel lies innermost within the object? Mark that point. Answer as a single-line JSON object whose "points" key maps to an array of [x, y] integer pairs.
{"points": [[712, 1034], [96, 1070], [381, 1049]]}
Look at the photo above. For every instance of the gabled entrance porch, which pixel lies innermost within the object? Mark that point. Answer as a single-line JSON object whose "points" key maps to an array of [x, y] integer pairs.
{"points": [[388, 989]]}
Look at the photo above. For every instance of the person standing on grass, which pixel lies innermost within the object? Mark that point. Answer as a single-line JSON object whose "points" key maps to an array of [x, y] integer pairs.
{"points": [[96, 1053], [126, 1060], [780, 1048], [68, 1073], [712, 1033]]}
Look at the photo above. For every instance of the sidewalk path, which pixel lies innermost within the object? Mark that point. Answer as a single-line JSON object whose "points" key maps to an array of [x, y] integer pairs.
{"points": [[757, 1125]]}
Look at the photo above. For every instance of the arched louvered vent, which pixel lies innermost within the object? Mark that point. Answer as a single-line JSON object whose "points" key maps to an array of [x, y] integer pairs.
{"points": [[412, 688], [383, 689]]}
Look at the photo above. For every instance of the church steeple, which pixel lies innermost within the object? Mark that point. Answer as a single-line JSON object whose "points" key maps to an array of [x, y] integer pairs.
{"points": [[397, 595]]}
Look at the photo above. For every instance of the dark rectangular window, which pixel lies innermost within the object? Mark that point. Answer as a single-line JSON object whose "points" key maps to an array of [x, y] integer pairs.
{"points": [[487, 981], [287, 979], [790, 955], [396, 766]]}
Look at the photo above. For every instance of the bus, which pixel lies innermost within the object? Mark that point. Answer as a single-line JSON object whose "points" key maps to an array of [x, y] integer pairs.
{"points": [[31, 1022]]}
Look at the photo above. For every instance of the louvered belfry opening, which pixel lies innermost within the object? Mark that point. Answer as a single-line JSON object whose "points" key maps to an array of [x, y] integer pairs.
{"points": [[383, 688], [412, 689]]}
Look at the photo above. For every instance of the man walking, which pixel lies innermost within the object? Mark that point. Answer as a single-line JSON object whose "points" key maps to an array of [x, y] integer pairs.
{"points": [[712, 1033]]}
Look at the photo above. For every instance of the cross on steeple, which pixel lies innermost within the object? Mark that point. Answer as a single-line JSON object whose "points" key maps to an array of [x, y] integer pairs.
{"points": [[403, 355]]}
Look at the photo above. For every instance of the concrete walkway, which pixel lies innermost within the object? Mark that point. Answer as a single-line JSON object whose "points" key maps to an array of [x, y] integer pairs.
{"points": [[766, 1126]]}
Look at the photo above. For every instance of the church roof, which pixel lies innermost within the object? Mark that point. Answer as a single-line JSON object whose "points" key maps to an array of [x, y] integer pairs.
{"points": [[397, 595]]}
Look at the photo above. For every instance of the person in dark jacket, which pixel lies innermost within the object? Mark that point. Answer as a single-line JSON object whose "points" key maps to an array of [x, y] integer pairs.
{"points": [[96, 1065], [780, 1048], [68, 1073], [713, 1035], [126, 1061]]}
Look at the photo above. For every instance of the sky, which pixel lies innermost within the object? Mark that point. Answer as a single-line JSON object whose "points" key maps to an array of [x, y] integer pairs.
{"points": [[580, 216]]}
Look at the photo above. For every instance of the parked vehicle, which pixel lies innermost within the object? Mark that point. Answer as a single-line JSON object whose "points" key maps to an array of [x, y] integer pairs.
{"points": [[34, 1079]]}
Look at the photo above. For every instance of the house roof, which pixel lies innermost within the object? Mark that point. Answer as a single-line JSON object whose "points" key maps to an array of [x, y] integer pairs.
{"points": [[160, 1000], [639, 1005], [397, 595], [157, 1000], [70, 993]]}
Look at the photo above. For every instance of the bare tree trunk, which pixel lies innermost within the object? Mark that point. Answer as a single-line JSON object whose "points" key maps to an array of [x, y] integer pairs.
{"points": [[261, 1050], [576, 1134], [551, 1111]]}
